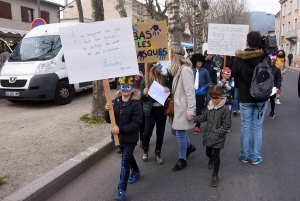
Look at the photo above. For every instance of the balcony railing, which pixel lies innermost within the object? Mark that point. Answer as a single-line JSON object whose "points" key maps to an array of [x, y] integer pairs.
{"points": [[291, 34]]}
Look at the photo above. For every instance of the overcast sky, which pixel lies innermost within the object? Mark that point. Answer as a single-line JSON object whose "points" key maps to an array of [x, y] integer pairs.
{"points": [[269, 6]]}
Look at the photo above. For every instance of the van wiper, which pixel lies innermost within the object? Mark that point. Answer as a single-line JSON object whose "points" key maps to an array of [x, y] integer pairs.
{"points": [[13, 59]]}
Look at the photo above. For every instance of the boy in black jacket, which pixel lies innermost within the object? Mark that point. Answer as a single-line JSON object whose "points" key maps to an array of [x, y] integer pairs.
{"points": [[128, 115]]}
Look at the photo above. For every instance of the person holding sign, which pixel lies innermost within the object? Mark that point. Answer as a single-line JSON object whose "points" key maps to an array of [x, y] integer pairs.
{"points": [[128, 114], [184, 103], [154, 113]]}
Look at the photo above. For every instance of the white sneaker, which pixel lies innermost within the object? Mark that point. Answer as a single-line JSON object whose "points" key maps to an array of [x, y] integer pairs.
{"points": [[277, 102]]}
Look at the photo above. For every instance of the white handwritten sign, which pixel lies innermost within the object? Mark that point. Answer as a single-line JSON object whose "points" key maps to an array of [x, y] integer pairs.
{"points": [[99, 50], [226, 39]]}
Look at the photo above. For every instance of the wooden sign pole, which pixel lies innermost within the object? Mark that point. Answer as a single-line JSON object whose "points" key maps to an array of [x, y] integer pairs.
{"points": [[111, 112], [224, 64], [146, 77]]}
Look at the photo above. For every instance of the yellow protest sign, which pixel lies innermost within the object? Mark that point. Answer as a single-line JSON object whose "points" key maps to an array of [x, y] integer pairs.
{"points": [[151, 41]]}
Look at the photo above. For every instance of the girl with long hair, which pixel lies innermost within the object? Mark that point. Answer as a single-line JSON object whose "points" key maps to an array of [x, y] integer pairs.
{"points": [[280, 63], [184, 103], [154, 113]]}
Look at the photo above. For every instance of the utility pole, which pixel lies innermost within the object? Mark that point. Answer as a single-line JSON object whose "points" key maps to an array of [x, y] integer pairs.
{"points": [[39, 9]]}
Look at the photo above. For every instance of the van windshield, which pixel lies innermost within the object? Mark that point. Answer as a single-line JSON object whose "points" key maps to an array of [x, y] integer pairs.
{"points": [[37, 48]]}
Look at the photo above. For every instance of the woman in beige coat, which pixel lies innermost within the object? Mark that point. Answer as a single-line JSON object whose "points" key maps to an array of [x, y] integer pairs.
{"points": [[184, 103]]}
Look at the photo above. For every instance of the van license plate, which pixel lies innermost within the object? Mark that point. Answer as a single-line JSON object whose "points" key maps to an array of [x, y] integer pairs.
{"points": [[10, 93]]}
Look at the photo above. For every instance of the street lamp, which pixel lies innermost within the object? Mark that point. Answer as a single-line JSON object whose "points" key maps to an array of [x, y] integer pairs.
{"points": [[195, 4], [58, 13]]}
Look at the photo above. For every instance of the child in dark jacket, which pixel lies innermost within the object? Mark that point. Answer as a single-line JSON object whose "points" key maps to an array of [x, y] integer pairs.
{"points": [[128, 115], [218, 120], [228, 85]]}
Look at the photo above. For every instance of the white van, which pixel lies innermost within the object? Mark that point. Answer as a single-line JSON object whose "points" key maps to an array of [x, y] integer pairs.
{"points": [[36, 70]]}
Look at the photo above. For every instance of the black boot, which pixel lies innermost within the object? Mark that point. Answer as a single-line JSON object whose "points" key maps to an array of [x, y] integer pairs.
{"points": [[180, 165], [190, 149], [214, 180]]}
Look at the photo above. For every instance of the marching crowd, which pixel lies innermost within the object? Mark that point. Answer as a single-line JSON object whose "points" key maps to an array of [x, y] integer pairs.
{"points": [[202, 90]]}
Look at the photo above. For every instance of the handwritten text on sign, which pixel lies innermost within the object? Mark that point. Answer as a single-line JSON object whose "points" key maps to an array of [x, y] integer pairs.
{"points": [[99, 50], [151, 41], [226, 39]]}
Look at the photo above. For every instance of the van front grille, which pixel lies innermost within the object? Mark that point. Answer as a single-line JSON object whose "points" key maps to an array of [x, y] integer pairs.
{"points": [[17, 83]]}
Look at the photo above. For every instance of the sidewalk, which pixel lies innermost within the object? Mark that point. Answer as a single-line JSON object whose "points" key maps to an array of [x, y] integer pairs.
{"points": [[51, 182], [294, 68]]}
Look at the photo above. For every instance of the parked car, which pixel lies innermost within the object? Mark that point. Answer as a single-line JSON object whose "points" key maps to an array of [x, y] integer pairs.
{"points": [[36, 69]]}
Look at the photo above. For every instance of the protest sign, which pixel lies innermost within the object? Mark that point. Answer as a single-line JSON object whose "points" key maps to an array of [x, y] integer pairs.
{"points": [[100, 50], [226, 39], [151, 41]]}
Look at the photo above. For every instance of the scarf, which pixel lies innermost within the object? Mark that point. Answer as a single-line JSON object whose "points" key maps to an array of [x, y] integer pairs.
{"points": [[279, 62]]}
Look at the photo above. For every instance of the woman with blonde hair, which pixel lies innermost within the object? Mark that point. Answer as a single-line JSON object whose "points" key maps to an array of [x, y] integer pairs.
{"points": [[184, 103], [154, 113]]}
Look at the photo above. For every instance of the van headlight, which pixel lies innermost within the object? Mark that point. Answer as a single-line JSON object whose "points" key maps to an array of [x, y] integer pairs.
{"points": [[45, 67]]}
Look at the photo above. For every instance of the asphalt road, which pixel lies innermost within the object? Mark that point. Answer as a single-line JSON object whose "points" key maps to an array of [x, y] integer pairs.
{"points": [[276, 178]]}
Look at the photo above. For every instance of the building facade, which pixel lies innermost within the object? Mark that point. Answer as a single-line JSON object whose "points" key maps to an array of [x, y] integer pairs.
{"points": [[289, 34], [134, 9], [18, 14], [277, 26]]}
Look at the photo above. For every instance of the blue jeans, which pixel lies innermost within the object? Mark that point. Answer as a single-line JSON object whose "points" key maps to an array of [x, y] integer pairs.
{"points": [[251, 116], [236, 100], [183, 142]]}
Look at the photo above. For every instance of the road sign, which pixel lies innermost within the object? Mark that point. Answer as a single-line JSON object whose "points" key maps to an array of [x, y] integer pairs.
{"points": [[37, 22]]}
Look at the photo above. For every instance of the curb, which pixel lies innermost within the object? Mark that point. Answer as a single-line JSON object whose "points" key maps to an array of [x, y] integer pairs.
{"points": [[48, 184]]}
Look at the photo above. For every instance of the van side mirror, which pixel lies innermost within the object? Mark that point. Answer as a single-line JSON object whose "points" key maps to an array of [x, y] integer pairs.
{"points": [[63, 58]]}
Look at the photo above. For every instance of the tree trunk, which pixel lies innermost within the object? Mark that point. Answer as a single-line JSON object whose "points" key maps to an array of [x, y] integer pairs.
{"points": [[80, 12], [175, 25], [99, 100], [120, 7], [200, 17]]}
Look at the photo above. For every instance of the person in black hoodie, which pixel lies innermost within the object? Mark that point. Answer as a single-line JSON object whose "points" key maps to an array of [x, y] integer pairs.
{"points": [[277, 82], [128, 114], [252, 110], [290, 57]]}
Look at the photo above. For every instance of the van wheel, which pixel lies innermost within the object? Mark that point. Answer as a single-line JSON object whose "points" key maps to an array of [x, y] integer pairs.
{"points": [[64, 93], [115, 84]]}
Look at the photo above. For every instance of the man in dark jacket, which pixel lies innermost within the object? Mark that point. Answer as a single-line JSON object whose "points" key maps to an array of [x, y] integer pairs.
{"points": [[290, 57], [252, 110]]}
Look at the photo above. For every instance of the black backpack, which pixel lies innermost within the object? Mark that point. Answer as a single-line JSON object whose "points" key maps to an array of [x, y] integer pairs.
{"points": [[262, 81]]}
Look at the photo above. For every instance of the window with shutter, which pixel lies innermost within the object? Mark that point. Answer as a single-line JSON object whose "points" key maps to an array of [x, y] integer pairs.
{"points": [[5, 10], [45, 16], [27, 14], [24, 14]]}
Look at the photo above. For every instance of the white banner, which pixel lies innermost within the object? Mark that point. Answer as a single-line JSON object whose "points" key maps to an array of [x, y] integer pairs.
{"points": [[99, 50], [226, 39]]}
